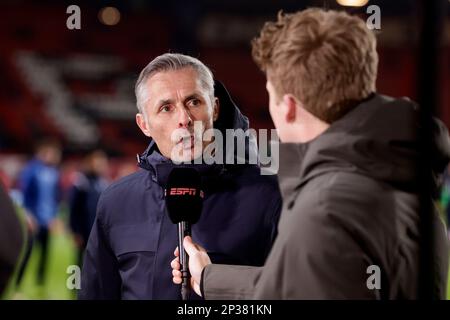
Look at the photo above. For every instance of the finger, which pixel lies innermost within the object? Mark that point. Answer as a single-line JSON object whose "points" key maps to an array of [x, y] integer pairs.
{"points": [[196, 245], [175, 264], [176, 280], [176, 253], [189, 246], [176, 274]]}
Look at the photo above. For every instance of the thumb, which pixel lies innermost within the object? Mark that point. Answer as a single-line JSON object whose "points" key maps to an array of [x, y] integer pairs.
{"points": [[189, 246]]}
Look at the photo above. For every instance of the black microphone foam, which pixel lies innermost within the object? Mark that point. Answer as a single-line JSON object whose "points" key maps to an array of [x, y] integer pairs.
{"points": [[184, 196]]}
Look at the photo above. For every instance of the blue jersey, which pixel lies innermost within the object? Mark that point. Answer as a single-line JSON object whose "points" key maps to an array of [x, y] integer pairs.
{"points": [[40, 187]]}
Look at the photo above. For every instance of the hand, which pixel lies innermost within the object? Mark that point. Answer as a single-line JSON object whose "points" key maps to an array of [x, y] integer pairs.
{"points": [[198, 260]]}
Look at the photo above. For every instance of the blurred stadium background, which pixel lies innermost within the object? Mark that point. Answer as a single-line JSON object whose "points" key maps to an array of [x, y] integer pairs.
{"points": [[77, 85]]}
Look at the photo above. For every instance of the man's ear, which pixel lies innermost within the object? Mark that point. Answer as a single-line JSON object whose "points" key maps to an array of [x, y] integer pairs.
{"points": [[216, 109], [142, 124], [290, 107]]}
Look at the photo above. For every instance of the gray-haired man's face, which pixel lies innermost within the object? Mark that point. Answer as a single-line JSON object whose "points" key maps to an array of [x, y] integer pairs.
{"points": [[176, 99]]}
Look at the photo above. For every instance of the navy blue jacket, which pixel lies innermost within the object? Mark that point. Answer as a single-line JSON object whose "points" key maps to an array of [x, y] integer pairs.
{"points": [[132, 241]]}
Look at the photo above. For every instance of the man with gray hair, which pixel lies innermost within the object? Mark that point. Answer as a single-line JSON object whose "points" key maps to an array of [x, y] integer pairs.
{"points": [[132, 240]]}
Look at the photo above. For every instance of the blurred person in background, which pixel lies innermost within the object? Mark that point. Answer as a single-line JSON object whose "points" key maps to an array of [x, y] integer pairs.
{"points": [[40, 186], [133, 239], [89, 183]]}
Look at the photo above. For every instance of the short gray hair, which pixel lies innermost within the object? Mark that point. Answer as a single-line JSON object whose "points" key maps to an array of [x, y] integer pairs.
{"points": [[172, 62]]}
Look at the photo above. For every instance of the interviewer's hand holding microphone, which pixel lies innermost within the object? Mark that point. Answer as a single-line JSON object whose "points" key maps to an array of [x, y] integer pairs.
{"points": [[198, 260]]}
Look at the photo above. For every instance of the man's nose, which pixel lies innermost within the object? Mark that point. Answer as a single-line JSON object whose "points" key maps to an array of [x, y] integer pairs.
{"points": [[185, 119]]}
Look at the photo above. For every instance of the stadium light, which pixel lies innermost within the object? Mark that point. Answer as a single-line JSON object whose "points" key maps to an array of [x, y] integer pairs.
{"points": [[352, 3], [109, 16]]}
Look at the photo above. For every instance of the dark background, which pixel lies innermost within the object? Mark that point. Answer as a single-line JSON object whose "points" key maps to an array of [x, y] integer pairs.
{"points": [[78, 85]]}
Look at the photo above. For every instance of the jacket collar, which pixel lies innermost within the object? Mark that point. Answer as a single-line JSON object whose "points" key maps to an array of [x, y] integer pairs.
{"points": [[160, 167]]}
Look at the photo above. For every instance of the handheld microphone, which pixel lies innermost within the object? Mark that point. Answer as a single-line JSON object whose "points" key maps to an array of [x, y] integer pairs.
{"points": [[184, 202]]}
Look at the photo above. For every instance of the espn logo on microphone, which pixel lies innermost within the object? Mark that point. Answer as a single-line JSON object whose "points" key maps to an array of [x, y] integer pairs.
{"points": [[183, 192]]}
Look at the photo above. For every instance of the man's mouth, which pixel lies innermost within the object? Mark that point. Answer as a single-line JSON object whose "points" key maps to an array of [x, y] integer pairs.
{"points": [[187, 142]]}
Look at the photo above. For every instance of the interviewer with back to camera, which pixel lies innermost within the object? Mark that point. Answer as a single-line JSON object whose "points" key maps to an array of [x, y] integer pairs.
{"points": [[348, 173], [132, 240]]}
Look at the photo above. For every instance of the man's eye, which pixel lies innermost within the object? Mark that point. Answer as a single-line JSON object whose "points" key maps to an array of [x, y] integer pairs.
{"points": [[194, 102], [165, 108]]}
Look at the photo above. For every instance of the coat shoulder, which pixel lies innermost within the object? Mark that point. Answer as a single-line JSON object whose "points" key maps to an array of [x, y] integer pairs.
{"points": [[134, 180], [348, 198], [126, 195], [348, 187]]}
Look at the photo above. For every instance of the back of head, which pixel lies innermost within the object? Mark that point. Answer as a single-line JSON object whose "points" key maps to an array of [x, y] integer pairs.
{"points": [[326, 59]]}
